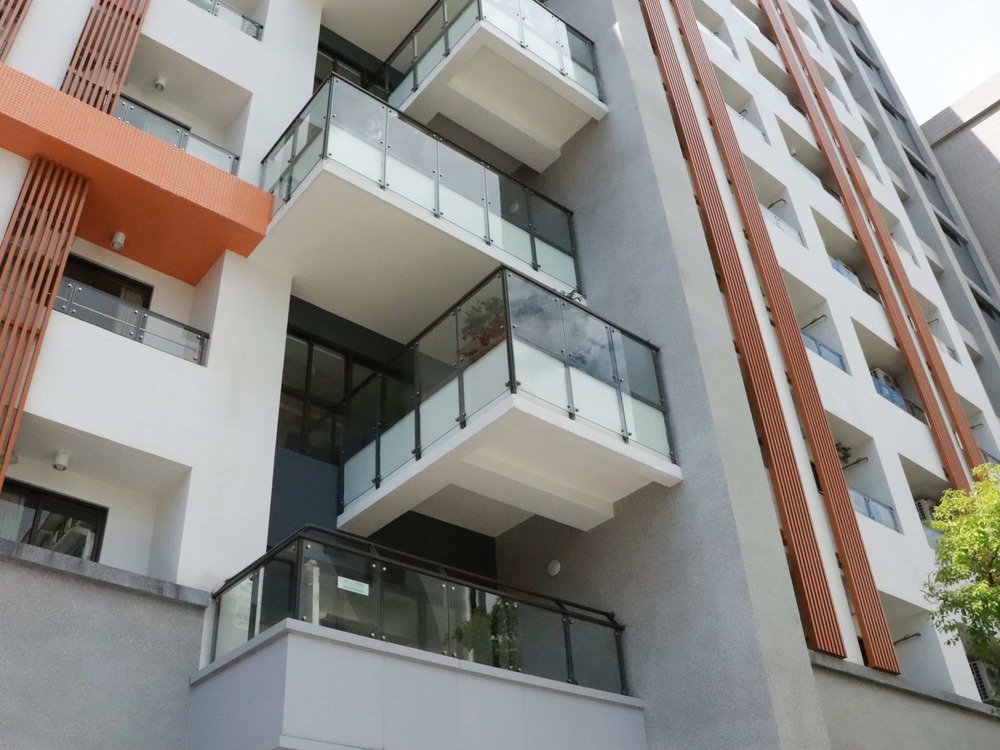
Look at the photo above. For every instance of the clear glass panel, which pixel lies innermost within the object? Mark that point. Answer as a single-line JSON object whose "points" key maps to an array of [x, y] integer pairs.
{"points": [[209, 152], [482, 330], [592, 374], [105, 311], [308, 138], [595, 656], [542, 33], [504, 15], [328, 368], [640, 388], [539, 341], [155, 125], [398, 439], [411, 162], [462, 14], [429, 44], [400, 71], [882, 513], [540, 641], [462, 190], [291, 414], [233, 624], [553, 239], [274, 592], [339, 589], [508, 215], [480, 627], [274, 177], [357, 130], [170, 337], [581, 66], [359, 442], [438, 353], [414, 609]]}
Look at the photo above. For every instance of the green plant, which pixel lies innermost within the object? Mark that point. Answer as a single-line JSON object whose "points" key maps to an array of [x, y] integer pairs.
{"points": [[965, 586]]}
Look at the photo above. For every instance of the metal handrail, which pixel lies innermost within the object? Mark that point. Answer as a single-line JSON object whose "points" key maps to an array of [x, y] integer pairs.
{"points": [[359, 545], [409, 121]]}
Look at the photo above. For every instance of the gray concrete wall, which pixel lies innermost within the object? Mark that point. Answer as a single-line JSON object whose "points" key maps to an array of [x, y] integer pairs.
{"points": [[697, 574], [93, 658], [868, 711]]}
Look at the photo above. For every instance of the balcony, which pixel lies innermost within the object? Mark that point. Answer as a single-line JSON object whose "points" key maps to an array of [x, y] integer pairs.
{"points": [[830, 355], [895, 397], [874, 509], [509, 71], [137, 323], [946, 348], [515, 402], [350, 644], [783, 225], [175, 134], [848, 273], [361, 189], [232, 17]]}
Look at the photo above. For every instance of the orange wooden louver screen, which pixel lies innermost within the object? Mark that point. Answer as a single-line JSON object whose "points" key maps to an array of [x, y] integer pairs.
{"points": [[11, 15], [32, 258], [97, 71]]}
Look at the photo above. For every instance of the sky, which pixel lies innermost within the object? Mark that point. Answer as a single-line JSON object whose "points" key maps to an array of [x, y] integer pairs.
{"points": [[937, 50]]}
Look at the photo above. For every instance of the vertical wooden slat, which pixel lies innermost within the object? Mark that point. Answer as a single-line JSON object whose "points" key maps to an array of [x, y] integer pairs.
{"points": [[803, 67], [32, 258], [104, 52], [12, 14], [840, 511], [811, 583]]}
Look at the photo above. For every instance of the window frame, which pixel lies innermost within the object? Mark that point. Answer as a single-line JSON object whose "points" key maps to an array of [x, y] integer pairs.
{"points": [[47, 500], [109, 274]]}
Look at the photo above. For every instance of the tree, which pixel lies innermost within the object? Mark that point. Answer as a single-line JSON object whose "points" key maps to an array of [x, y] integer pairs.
{"points": [[965, 587]]}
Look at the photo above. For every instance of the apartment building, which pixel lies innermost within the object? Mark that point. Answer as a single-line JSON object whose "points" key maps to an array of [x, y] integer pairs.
{"points": [[965, 142], [478, 373]]}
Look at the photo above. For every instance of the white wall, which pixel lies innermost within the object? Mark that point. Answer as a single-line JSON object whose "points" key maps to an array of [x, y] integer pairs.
{"points": [[219, 420]]}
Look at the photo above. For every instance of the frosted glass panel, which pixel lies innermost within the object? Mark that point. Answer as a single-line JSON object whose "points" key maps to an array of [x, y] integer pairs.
{"points": [[540, 374], [439, 414], [486, 380], [595, 400], [555, 262], [463, 190], [359, 473], [398, 444], [357, 131], [646, 425], [504, 15], [411, 162]]}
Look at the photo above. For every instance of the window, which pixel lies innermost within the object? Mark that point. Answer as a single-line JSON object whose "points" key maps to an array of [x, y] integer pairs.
{"points": [[103, 279], [34, 516], [328, 62], [315, 380]]}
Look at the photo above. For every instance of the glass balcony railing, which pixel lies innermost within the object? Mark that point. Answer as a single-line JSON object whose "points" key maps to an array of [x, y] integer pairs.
{"points": [[131, 321], [232, 17], [531, 25], [168, 131], [989, 457], [891, 394], [848, 273], [348, 584], [875, 510], [716, 38], [507, 335], [345, 124], [783, 225], [830, 355]]}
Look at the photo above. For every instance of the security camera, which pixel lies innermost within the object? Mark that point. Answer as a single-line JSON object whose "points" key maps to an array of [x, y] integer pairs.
{"points": [[60, 460], [118, 241], [160, 83]]}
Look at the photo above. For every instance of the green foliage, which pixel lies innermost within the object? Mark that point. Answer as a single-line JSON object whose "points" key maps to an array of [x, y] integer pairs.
{"points": [[965, 587]]}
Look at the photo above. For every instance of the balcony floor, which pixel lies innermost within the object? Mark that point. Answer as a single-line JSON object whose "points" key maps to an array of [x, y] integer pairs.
{"points": [[507, 96], [517, 458]]}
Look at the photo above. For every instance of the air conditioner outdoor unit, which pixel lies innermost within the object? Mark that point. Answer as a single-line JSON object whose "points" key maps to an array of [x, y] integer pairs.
{"points": [[925, 508], [885, 378], [987, 680]]}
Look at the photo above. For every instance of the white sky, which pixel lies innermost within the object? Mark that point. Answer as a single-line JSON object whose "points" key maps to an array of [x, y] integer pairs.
{"points": [[937, 50]]}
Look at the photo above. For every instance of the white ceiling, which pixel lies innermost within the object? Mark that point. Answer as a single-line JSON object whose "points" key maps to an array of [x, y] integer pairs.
{"points": [[377, 27]]}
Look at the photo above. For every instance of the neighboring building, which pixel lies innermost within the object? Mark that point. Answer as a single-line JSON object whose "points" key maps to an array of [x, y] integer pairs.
{"points": [[965, 138], [663, 310]]}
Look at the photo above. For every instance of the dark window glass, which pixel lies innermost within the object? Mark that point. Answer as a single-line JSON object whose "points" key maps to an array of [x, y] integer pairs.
{"points": [[315, 380], [329, 62], [111, 282], [43, 519]]}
